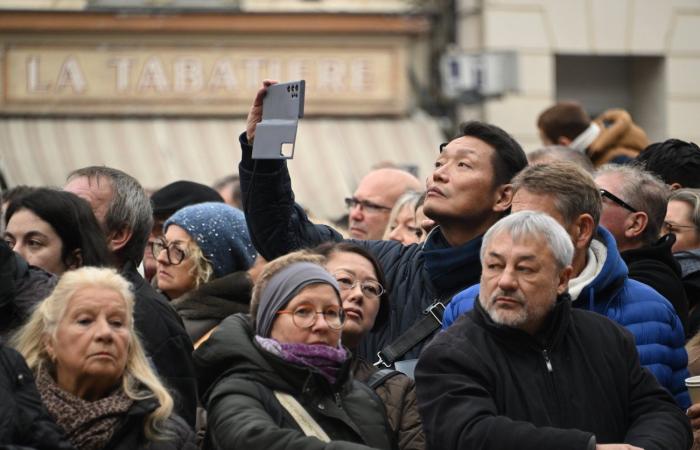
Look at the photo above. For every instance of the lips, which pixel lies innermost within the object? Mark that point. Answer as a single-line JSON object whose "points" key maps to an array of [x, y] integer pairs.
{"points": [[507, 301], [357, 232], [353, 313], [434, 192]]}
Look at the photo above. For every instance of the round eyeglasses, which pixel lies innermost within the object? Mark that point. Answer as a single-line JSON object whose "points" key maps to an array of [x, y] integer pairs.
{"points": [[369, 288], [174, 253], [305, 316]]}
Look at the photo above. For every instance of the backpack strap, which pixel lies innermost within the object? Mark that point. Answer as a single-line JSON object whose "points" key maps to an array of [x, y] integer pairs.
{"points": [[379, 377], [307, 423]]}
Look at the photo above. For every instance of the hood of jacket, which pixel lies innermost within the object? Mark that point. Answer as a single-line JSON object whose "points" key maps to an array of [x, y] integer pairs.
{"points": [[231, 351], [610, 278], [660, 251]]}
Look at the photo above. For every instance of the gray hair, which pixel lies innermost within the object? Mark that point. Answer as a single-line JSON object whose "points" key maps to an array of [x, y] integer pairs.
{"points": [[535, 224], [407, 199], [644, 191], [551, 153], [692, 198], [129, 207]]}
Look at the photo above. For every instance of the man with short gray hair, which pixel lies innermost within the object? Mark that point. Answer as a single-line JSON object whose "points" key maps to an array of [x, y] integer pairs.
{"points": [[124, 212], [634, 209], [525, 370]]}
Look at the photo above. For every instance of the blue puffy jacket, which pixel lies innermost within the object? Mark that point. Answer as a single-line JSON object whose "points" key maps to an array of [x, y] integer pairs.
{"points": [[643, 311]]}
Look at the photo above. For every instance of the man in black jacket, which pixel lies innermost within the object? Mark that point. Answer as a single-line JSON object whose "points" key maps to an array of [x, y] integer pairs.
{"points": [[524, 370], [634, 208], [467, 192], [125, 215]]}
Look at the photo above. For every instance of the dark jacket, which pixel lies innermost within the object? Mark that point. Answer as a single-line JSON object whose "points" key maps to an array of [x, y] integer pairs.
{"points": [[166, 342], [398, 393], [238, 378], [203, 309], [416, 275], [24, 421], [487, 386], [690, 268], [643, 311], [21, 288], [129, 433], [655, 266]]}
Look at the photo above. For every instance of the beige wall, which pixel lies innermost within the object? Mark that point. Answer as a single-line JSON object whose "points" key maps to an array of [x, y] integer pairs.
{"points": [[539, 29]]}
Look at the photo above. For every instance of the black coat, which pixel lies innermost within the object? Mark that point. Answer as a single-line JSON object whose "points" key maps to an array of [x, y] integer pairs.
{"points": [[238, 380], [655, 266], [416, 275], [486, 386], [24, 421], [129, 433], [166, 342]]}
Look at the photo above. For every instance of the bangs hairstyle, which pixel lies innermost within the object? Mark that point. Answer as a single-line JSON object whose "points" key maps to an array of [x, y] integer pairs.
{"points": [[537, 225], [572, 188], [43, 324], [272, 268], [328, 249]]}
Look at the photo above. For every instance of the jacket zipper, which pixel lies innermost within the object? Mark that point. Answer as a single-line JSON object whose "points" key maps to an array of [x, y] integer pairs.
{"points": [[547, 361]]}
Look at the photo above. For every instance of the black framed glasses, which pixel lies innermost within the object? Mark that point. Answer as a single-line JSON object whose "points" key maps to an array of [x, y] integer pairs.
{"points": [[174, 253], [305, 316], [614, 198], [366, 205], [369, 288]]}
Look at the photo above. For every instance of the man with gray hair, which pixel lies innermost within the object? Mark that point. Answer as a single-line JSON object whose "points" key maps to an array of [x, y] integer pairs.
{"points": [[525, 370], [634, 208], [124, 212]]}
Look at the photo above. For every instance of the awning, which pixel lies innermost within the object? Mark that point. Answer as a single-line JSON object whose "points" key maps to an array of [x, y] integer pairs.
{"points": [[331, 155]]}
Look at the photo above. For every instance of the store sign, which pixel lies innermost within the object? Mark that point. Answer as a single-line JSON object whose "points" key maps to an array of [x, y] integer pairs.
{"points": [[112, 79]]}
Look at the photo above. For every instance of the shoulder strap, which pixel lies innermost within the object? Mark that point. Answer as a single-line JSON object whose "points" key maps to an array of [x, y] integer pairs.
{"points": [[379, 377], [417, 333], [307, 424]]}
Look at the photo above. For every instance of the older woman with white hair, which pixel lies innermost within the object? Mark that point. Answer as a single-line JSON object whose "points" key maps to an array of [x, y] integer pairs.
{"points": [[91, 370]]}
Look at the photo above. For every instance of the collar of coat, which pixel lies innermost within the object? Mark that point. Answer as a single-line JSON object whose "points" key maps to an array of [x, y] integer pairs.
{"points": [[451, 268]]}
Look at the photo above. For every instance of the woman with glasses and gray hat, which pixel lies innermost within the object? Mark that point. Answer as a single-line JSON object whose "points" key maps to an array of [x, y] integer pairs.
{"points": [[280, 378], [201, 261]]}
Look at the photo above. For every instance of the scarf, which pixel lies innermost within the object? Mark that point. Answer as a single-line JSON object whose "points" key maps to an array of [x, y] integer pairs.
{"points": [[88, 425], [451, 269], [326, 359]]}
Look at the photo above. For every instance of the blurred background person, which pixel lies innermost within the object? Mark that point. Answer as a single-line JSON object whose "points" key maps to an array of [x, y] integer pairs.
{"points": [[166, 201], [202, 262], [281, 378], [402, 226], [229, 188], [55, 230], [551, 153], [675, 161], [91, 370], [366, 305]]}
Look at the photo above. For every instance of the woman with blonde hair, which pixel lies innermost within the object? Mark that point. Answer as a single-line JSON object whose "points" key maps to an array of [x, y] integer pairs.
{"points": [[202, 261], [402, 225], [91, 370]]}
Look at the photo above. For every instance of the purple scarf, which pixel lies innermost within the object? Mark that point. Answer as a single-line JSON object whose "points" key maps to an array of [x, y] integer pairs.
{"points": [[324, 358]]}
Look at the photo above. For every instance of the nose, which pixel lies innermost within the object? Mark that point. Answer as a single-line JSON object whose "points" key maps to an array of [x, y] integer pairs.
{"points": [[356, 213], [320, 325], [439, 174], [507, 281], [396, 235], [103, 330], [355, 295], [162, 256]]}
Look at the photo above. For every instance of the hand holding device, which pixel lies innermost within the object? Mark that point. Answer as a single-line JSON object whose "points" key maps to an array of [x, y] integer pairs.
{"points": [[282, 107]]}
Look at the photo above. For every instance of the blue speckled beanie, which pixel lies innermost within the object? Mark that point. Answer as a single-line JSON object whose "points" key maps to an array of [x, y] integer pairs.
{"points": [[221, 232]]}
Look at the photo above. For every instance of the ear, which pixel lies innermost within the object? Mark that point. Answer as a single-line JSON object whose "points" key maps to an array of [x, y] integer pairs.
{"points": [[50, 350], [563, 281], [582, 231], [635, 224], [563, 140], [675, 186], [75, 259], [503, 198], [118, 239]]}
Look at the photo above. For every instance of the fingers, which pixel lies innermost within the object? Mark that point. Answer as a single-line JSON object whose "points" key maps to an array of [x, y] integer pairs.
{"points": [[262, 91]]}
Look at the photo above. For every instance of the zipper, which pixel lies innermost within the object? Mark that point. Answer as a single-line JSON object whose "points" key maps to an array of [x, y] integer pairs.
{"points": [[547, 361]]}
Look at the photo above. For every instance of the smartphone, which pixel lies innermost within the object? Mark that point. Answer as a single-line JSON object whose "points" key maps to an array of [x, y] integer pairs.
{"points": [[275, 135]]}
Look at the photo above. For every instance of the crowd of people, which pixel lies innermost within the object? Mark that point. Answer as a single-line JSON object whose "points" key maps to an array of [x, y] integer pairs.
{"points": [[540, 301]]}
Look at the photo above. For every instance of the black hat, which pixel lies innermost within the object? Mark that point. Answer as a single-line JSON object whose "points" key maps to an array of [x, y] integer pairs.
{"points": [[179, 194]]}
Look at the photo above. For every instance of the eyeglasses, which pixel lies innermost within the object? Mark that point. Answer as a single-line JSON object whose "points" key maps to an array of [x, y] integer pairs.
{"points": [[368, 206], [369, 288], [617, 200], [669, 227], [174, 253], [305, 316]]}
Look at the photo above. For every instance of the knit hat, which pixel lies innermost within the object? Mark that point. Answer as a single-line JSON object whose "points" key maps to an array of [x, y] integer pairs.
{"points": [[177, 195], [221, 232]]}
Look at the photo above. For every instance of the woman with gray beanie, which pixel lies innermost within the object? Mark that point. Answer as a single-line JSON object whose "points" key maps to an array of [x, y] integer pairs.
{"points": [[202, 259], [280, 378]]}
